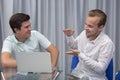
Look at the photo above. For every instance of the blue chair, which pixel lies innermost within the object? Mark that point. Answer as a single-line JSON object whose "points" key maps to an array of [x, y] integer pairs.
{"points": [[75, 61], [117, 76], [109, 71]]}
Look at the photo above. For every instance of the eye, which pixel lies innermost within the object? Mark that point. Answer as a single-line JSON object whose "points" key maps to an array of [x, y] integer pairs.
{"points": [[28, 26], [90, 26]]}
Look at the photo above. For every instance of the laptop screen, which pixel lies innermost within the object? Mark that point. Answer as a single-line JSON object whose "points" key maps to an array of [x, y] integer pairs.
{"points": [[33, 62]]}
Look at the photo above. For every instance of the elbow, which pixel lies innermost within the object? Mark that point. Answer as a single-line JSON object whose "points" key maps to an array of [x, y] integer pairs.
{"points": [[57, 52], [100, 70], [4, 65]]}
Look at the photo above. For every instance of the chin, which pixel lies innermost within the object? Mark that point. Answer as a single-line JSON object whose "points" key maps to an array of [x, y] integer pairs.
{"points": [[28, 36], [87, 36]]}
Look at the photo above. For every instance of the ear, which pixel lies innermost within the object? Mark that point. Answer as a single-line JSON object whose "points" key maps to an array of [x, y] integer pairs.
{"points": [[16, 30], [101, 27]]}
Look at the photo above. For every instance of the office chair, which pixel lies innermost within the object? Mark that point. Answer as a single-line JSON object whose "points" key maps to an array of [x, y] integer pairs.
{"points": [[117, 76], [109, 71], [75, 61]]}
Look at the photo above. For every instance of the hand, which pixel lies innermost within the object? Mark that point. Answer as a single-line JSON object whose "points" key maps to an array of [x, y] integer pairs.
{"points": [[73, 52], [54, 69], [55, 72], [68, 32]]}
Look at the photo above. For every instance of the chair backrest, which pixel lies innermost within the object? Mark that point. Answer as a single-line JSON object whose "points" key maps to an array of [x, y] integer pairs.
{"points": [[75, 61], [109, 71], [117, 76]]}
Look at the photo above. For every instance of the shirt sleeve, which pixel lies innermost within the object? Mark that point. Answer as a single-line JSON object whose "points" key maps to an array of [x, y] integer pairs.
{"points": [[105, 55], [44, 42], [7, 46]]}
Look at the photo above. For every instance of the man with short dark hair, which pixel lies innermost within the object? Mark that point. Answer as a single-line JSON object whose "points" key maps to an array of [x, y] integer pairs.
{"points": [[25, 39]]}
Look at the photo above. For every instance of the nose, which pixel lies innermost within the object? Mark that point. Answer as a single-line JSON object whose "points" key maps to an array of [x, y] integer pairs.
{"points": [[85, 27], [30, 28]]}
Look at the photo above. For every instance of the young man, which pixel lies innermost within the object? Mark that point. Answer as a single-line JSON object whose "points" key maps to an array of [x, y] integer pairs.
{"points": [[25, 39], [94, 48]]}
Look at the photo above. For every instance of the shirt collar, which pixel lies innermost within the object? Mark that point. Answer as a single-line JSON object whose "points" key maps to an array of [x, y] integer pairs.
{"points": [[97, 39], [18, 42]]}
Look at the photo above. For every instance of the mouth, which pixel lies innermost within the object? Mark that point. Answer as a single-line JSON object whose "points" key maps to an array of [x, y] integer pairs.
{"points": [[29, 32], [87, 32]]}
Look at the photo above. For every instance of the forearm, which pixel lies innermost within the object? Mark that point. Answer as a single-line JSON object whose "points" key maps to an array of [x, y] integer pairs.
{"points": [[9, 63], [54, 57], [98, 65], [7, 60], [54, 54]]}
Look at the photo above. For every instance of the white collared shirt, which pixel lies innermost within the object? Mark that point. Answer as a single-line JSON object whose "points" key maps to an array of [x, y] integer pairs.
{"points": [[94, 55]]}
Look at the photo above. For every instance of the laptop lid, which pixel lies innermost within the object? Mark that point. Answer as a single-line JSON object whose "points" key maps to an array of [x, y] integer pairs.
{"points": [[33, 62]]}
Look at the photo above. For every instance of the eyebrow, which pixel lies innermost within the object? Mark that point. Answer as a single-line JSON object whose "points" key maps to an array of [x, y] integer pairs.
{"points": [[89, 25]]}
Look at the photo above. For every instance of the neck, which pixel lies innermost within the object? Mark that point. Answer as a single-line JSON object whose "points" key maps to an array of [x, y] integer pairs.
{"points": [[20, 38], [94, 37]]}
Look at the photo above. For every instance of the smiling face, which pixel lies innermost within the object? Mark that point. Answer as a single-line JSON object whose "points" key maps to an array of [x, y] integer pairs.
{"points": [[24, 32], [91, 27]]}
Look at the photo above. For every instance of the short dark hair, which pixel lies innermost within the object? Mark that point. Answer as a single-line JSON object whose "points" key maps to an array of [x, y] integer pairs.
{"points": [[99, 13], [17, 19]]}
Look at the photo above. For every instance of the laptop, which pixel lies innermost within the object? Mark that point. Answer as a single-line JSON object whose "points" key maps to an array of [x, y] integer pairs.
{"points": [[33, 62]]}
